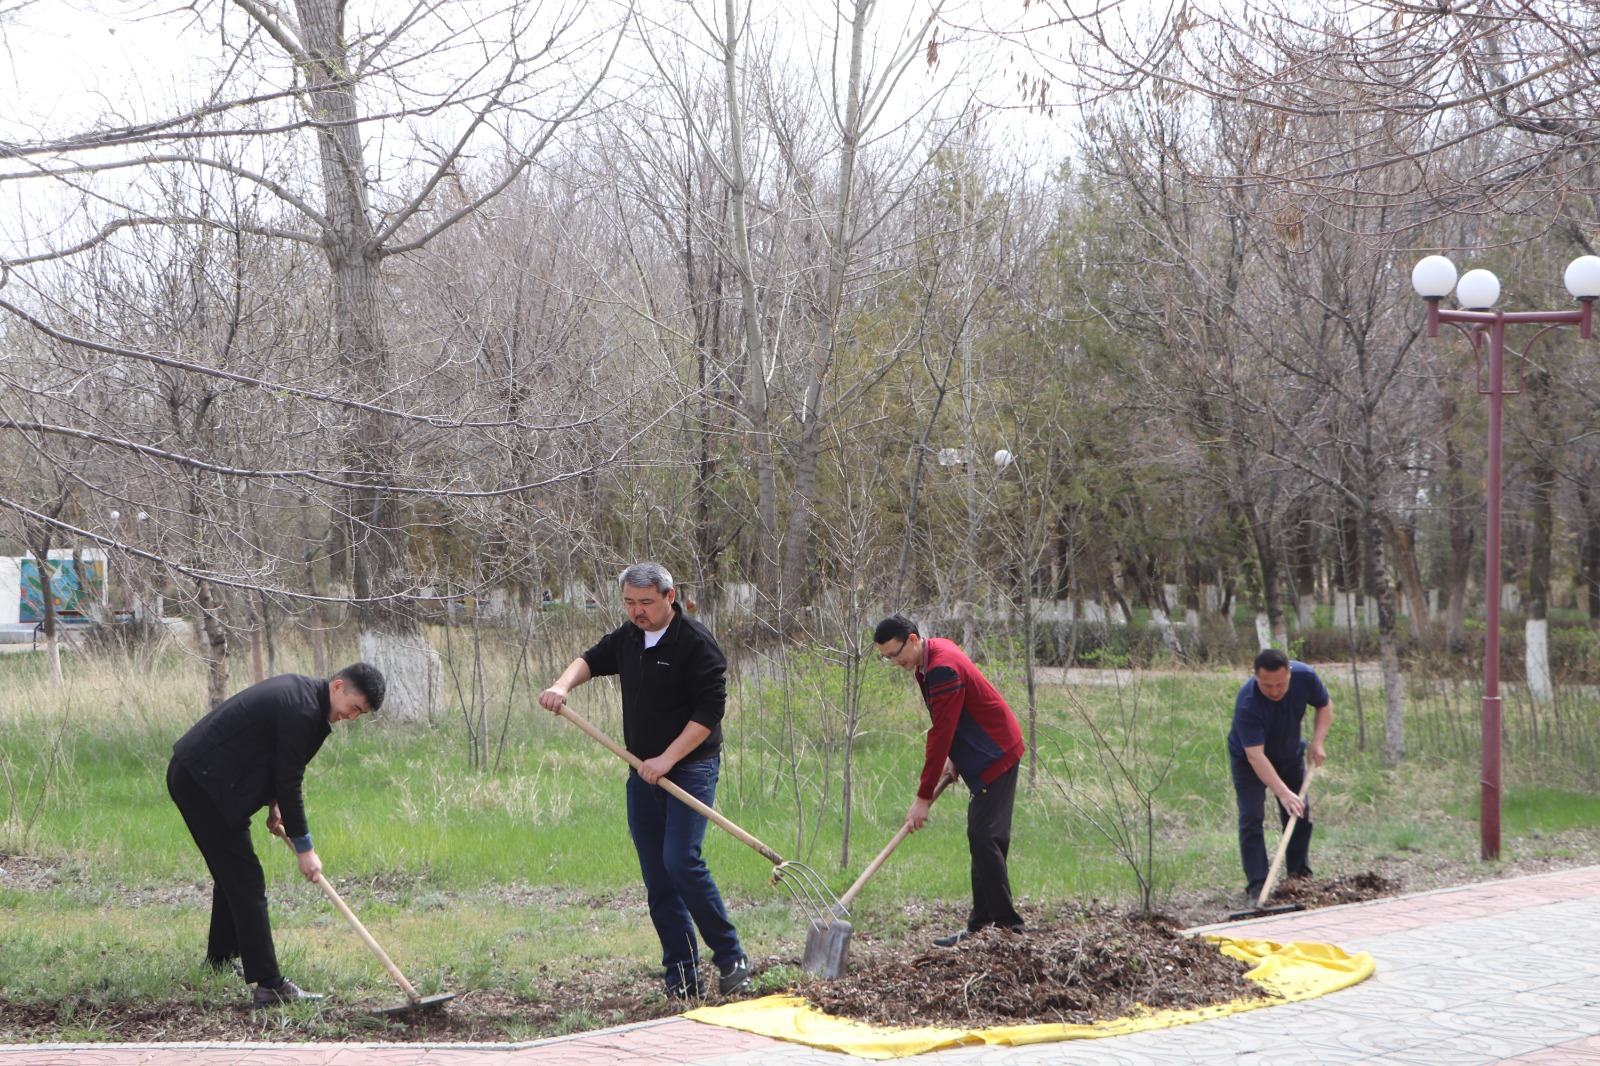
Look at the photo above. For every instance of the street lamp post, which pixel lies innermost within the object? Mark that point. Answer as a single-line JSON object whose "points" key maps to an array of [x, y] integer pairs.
{"points": [[1476, 291]]}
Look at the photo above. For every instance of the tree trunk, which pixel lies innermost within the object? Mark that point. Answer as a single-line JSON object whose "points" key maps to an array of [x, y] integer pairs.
{"points": [[756, 405], [1381, 589], [213, 641], [1589, 554], [797, 538], [316, 633], [1461, 507], [1537, 622], [1403, 538], [51, 622], [1261, 535], [1303, 567], [390, 630], [258, 659]]}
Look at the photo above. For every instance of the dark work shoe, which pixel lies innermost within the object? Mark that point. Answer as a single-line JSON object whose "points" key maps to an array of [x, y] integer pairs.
{"points": [[684, 990], [734, 976], [950, 941], [1252, 893], [288, 992]]}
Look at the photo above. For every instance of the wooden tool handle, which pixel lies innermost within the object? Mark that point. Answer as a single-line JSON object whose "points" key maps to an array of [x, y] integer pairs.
{"points": [[361, 930], [383, 956], [872, 867], [634, 761], [1283, 843]]}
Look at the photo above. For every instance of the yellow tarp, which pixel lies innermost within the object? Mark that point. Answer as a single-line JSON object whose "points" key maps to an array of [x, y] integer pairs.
{"points": [[1287, 972]]}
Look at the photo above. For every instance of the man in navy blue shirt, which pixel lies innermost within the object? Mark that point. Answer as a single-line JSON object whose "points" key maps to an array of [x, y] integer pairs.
{"points": [[1268, 753]]}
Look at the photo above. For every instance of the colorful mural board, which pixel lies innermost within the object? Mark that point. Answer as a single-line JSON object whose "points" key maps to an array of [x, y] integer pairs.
{"points": [[70, 598]]}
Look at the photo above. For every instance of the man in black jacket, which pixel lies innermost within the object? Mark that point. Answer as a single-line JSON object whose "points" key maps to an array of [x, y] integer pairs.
{"points": [[251, 752], [673, 691]]}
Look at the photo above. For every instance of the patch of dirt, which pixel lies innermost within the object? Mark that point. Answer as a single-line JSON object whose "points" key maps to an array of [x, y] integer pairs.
{"points": [[1086, 967], [1309, 893], [1356, 888], [1070, 966], [585, 1001], [1095, 967]]}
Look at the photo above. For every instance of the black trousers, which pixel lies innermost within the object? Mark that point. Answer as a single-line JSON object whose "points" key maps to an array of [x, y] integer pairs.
{"points": [[239, 924], [989, 841], [1251, 796]]}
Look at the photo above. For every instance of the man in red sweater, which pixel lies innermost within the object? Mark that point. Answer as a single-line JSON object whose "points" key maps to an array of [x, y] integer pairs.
{"points": [[976, 737]]}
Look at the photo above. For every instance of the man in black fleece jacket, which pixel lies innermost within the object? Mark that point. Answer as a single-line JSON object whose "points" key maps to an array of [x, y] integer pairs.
{"points": [[251, 752], [673, 691]]}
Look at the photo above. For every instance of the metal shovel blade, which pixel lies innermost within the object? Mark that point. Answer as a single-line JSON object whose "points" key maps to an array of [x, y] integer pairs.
{"points": [[828, 948], [811, 961], [422, 1003]]}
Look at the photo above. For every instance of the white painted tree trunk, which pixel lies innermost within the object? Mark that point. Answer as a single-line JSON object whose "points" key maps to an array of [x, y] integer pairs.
{"points": [[52, 648], [1263, 631], [1306, 610], [1537, 637], [1344, 609], [413, 672], [1159, 620]]}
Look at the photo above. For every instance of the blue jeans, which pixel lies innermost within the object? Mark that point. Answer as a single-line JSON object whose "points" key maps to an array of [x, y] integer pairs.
{"points": [[667, 835], [1251, 795]]}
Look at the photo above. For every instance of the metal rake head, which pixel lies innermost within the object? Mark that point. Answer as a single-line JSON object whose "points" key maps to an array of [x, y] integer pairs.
{"points": [[810, 893]]}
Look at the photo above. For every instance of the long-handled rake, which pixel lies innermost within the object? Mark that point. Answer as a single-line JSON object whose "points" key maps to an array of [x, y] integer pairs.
{"points": [[414, 999], [828, 940], [1261, 910], [809, 892]]}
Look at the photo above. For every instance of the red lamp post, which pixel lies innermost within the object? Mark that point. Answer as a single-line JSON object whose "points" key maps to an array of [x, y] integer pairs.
{"points": [[1433, 278]]}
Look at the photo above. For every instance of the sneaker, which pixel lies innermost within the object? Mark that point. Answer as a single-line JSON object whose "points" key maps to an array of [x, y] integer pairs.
{"points": [[734, 976], [1252, 894], [684, 990], [950, 941], [288, 992]]}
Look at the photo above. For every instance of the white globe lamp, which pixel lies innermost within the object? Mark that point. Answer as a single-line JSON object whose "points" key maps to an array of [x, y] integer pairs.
{"points": [[1433, 277], [1478, 290]]}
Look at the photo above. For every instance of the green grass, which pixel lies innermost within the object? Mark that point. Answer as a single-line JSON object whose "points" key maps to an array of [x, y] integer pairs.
{"points": [[505, 878]]}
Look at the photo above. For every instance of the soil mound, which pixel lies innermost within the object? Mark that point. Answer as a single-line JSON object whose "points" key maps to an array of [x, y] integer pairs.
{"points": [[1094, 967], [1354, 888]]}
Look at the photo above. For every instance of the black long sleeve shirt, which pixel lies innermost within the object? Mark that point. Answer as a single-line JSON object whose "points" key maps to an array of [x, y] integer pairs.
{"points": [[664, 688]]}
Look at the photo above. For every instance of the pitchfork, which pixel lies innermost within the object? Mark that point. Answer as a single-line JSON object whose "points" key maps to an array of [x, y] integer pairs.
{"points": [[809, 892]]}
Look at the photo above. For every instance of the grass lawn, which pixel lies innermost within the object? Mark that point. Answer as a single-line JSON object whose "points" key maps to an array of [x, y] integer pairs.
{"points": [[517, 878]]}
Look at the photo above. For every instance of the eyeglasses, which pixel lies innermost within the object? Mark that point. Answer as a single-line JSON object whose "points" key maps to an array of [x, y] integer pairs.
{"points": [[892, 656]]}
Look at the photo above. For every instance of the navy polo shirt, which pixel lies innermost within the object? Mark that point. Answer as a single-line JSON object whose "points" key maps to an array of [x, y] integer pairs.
{"points": [[1275, 726]]}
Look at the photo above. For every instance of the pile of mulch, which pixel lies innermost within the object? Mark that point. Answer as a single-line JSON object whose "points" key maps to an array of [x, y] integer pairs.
{"points": [[1096, 966], [1355, 888]]}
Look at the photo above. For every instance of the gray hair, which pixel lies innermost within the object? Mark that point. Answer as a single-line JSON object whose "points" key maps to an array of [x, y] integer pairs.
{"points": [[645, 576]]}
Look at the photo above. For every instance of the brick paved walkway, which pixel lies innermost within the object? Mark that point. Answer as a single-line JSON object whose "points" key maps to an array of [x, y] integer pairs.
{"points": [[1500, 974]]}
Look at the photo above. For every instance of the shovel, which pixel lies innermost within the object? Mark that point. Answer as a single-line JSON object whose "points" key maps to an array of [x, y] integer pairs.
{"points": [[414, 1001], [1261, 909], [828, 940]]}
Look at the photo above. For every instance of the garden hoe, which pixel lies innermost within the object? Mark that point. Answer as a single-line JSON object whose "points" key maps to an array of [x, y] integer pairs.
{"points": [[414, 1001], [1261, 909], [828, 940], [807, 889]]}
